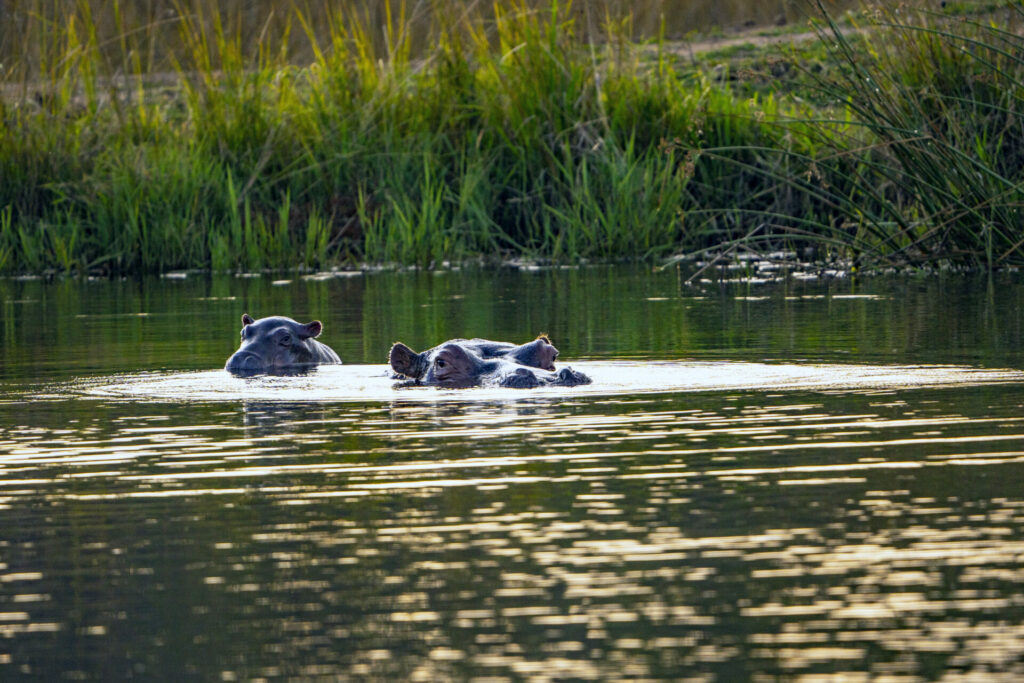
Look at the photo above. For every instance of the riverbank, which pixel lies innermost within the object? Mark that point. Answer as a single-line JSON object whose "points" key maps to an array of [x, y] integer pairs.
{"points": [[896, 141]]}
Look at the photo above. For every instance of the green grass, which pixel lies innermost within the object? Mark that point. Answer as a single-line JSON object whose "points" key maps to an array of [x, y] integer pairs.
{"points": [[943, 106], [511, 137]]}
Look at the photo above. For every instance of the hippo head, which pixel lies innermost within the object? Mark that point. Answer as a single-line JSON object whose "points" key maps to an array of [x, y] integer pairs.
{"points": [[449, 365], [463, 363], [536, 354], [279, 344]]}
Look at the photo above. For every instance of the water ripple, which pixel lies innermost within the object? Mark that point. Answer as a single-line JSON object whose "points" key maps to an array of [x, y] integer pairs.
{"points": [[775, 530], [373, 382]]}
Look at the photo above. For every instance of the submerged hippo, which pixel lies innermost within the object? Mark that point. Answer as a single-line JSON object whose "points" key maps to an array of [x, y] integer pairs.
{"points": [[537, 354], [279, 344], [463, 363]]}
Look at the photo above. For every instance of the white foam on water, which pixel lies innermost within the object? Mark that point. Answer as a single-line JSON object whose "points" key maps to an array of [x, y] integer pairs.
{"points": [[334, 383]]}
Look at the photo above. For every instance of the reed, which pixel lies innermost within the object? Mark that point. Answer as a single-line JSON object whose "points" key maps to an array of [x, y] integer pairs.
{"points": [[943, 103], [514, 134]]}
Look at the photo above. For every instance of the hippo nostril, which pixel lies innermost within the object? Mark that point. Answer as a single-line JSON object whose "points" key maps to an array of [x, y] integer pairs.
{"points": [[246, 361]]}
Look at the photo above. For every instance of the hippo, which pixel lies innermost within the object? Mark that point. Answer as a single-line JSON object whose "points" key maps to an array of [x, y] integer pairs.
{"points": [[279, 345], [461, 363], [537, 354]]}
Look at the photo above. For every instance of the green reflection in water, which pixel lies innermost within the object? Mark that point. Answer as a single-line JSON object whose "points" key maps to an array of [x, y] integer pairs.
{"points": [[71, 328]]}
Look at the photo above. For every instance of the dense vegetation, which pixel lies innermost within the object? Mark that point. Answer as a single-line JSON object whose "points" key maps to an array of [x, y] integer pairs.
{"points": [[901, 141]]}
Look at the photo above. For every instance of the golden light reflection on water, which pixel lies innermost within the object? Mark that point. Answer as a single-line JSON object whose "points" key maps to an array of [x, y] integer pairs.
{"points": [[782, 532]]}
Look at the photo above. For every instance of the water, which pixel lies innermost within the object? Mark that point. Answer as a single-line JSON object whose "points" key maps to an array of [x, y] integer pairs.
{"points": [[767, 480]]}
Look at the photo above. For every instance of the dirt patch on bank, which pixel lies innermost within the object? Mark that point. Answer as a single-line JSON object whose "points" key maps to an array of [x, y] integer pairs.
{"points": [[753, 39]]}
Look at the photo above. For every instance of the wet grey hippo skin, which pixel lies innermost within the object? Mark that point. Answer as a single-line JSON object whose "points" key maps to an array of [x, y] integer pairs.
{"points": [[279, 344], [536, 354], [463, 363]]}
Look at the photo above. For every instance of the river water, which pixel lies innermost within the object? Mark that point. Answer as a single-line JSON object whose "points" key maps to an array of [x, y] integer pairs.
{"points": [[769, 479]]}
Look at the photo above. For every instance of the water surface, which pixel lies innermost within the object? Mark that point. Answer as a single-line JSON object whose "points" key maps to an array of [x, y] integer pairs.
{"points": [[777, 479]]}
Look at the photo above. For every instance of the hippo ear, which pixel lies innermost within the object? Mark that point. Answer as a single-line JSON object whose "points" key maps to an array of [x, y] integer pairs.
{"points": [[247, 319], [312, 329], [543, 336], [403, 360]]}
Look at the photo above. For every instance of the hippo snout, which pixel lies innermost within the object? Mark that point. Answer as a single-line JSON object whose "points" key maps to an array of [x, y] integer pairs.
{"points": [[520, 379], [567, 377], [244, 362]]}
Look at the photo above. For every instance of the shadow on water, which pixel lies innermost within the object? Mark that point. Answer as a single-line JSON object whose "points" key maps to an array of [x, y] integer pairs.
{"points": [[768, 481]]}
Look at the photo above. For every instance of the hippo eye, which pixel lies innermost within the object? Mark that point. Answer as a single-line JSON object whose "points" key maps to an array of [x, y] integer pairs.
{"points": [[440, 363], [286, 340]]}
